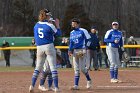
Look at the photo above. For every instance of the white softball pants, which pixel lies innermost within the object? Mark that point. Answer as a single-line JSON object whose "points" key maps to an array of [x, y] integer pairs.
{"points": [[113, 56], [50, 51], [79, 63]]}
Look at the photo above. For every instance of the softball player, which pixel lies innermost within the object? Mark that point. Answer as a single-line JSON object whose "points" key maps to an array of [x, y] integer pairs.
{"points": [[45, 73], [43, 34], [77, 48], [113, 38]]}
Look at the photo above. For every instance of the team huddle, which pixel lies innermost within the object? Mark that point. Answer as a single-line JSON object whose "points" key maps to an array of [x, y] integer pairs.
{"points": [[44, 32]]}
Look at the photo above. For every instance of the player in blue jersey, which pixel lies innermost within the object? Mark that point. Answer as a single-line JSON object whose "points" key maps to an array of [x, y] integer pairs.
{"points": [[77, 48], [113, 38], [44, 33], [46, 74]]}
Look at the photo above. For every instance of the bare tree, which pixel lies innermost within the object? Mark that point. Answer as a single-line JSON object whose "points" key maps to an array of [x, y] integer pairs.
{"points": [[100, 12]]}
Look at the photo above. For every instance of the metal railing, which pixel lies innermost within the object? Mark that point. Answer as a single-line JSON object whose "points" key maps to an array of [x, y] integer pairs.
{"points": [[58, 47]]}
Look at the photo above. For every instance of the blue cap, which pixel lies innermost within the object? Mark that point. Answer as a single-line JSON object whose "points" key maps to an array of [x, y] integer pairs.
{"points": [[94, 27]]}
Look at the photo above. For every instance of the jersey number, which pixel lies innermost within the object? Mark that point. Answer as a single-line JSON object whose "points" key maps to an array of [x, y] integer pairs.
{"points": [[76, 41], [41, 35]]}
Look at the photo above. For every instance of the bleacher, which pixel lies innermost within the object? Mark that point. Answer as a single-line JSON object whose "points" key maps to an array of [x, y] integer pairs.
{"points": [[134, 61]]}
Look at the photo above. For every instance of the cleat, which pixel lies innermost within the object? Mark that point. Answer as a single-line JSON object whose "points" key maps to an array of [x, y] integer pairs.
{"points": [[56, 90], [75, 87], [119, 81], [114, 81], [31, 89], [89, 84], [49, 89], [42, 88]]}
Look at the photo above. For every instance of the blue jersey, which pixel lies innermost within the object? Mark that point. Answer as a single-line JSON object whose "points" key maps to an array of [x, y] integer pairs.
{"points": [[78, 39], [111, 36], [44, 33]]}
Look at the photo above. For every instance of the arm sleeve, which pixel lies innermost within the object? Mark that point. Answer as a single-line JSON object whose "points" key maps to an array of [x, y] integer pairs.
{"points": [[121, 42], [56, 31], [70, 45], [108, 38], [86, 34], [88, 37]]}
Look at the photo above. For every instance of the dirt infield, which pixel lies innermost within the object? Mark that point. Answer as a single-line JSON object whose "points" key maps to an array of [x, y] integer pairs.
{"points": [[18, 82]]}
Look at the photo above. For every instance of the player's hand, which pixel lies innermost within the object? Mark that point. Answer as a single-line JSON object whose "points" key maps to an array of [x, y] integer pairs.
{"points": [[63, 41], [69, 53], [57, 23], [116, 41]]}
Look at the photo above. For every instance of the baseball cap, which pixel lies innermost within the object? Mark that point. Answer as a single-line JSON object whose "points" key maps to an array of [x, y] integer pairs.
{"points": [[48, 13], [94, 27], [113, 23]]}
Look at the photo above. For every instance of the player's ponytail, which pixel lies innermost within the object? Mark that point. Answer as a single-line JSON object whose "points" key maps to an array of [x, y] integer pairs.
{"points": [[42, 15]]}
